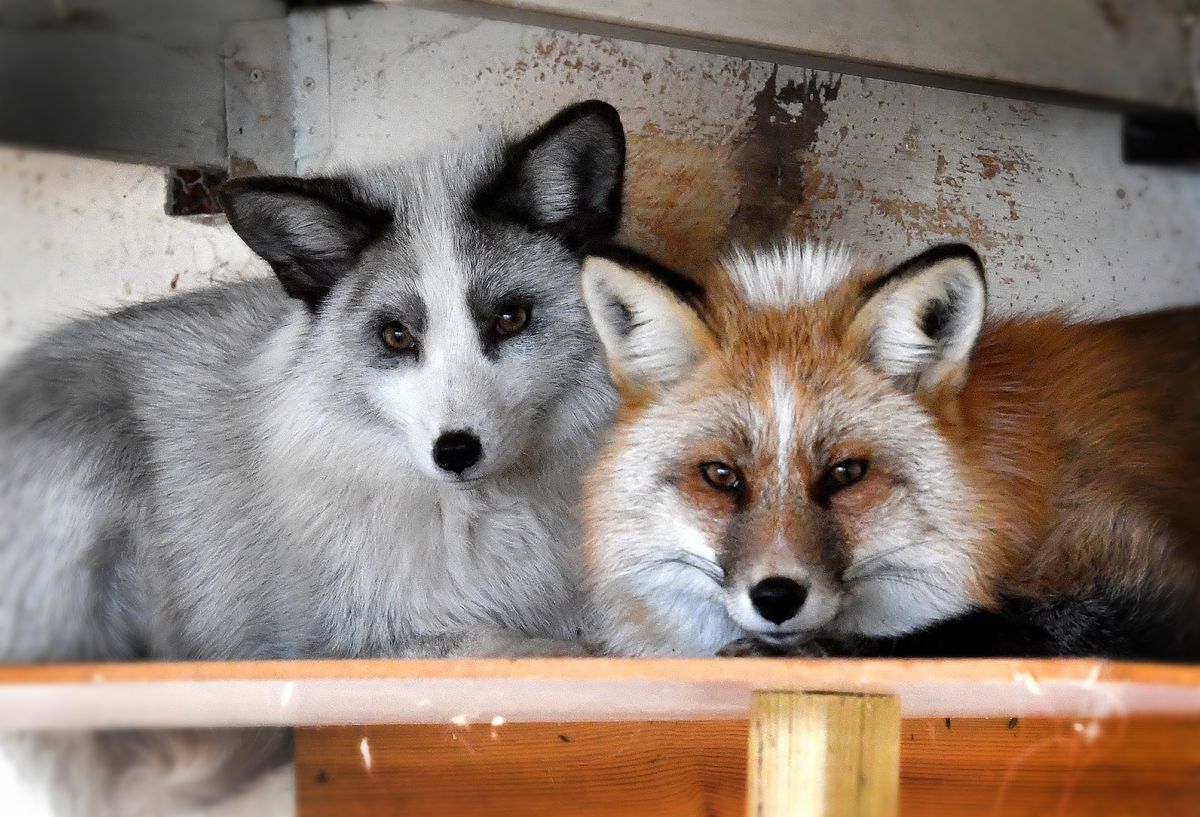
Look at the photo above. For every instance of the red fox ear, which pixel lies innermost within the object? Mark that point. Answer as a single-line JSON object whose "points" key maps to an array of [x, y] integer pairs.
{"points": [[920, 322], [646, 317]]}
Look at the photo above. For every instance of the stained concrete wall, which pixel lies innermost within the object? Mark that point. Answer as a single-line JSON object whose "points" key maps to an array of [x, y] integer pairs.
{"points": [[723, 149], [720, 149], [80, 235]]}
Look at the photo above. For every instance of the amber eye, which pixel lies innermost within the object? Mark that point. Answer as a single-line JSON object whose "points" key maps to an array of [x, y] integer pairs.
{"points": [[722, 477], [843, 475], [396, 337], [511, 319]]}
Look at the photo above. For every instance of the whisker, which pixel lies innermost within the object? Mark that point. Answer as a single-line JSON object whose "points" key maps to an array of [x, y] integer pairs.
{"points": [[709, 569], [877, 557], [913, 580]]}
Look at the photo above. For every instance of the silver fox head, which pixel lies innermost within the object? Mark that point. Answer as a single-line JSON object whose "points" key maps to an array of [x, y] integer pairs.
{"points": [[443, 296]]}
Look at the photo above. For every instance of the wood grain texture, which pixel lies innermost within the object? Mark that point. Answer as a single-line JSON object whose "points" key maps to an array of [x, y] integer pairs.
{"points": [[823, 755], [949, 767]]}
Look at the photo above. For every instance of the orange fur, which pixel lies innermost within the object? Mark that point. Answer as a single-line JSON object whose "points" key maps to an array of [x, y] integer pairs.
{"points": [[1084, 442], [1075, 446]]}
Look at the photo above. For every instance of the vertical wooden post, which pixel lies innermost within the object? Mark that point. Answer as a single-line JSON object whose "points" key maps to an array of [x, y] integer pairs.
{"points": [[823, 755]]}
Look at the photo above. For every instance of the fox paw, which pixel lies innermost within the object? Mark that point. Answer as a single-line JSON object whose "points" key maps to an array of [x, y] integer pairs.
{"points": [[753, 648]]}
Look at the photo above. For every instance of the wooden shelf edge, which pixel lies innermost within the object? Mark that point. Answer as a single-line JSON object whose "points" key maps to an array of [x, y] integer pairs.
{"points": [[761, 671], [312, 693]]}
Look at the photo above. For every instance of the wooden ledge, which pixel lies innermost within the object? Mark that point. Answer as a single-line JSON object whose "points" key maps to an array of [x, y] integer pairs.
{"points": [[311, 693]]}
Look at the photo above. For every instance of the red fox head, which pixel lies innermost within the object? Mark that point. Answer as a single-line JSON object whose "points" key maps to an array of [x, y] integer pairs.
{"points": [[780, 468]]}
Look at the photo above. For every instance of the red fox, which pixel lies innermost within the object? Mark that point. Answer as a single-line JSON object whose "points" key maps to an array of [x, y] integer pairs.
{"points": [[816, 450]]}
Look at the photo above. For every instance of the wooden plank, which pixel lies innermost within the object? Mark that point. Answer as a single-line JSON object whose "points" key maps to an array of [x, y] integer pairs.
{"points": [[549, 690], [949, 768], [823, 755], [1124, 51]]}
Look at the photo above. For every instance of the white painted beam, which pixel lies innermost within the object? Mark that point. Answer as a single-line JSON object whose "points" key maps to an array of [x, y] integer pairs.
{"points": [[1123, 52]]}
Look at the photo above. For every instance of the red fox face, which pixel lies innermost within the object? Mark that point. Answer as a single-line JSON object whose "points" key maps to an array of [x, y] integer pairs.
{"points": [[778, 469]]}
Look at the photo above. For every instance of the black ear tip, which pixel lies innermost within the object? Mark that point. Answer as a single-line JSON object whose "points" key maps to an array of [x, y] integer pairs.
{"points": [[603, 114], [956, 251], [959, 250], [683, 287], [600, 108]]}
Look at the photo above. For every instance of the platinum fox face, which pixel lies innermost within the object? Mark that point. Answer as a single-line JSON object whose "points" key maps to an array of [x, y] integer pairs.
{"points": [[773, 473], [447, 294]]}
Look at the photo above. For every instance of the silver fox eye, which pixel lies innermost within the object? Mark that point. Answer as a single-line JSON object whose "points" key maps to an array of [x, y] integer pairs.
{"points": [[511, 319], [843, 475], [722, 477], [396, 337]]}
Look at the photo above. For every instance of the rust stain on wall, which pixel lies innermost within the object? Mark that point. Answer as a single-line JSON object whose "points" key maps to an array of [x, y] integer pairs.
{"points": [[946, 218], [1007, 164], [775, 155]]}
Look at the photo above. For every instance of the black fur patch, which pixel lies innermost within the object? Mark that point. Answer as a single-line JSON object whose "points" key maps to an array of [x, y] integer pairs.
{"points": [[1113, 623], [586, 145], [936, 318], [263, 210]]}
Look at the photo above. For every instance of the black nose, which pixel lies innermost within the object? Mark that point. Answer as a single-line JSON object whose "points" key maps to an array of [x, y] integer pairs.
{"points": [[777, 599], [457, 451]]}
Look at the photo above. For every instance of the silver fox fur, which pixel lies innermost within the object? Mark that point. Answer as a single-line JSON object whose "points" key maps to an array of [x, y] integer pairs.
{"points": [[240, 474]]}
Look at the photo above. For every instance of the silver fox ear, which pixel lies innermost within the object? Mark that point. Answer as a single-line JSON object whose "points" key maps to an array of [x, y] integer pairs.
{"points": [[920, 322], [566, 177], [308, 230], [646, 317]]}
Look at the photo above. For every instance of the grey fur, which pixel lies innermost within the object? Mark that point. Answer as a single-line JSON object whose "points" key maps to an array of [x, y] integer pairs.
{"points": [[213, 476], [235, 473]]}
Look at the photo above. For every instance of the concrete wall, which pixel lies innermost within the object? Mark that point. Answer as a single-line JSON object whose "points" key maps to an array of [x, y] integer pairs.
{"points": [[80, 235], [721, 149], [730, 149]]}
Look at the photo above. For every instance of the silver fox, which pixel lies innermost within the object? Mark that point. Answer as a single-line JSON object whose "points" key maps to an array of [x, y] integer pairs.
{"points": [[384, 463]]}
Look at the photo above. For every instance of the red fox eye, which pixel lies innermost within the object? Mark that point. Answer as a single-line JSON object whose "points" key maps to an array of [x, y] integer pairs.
{"points": [[722, 477], [843, 475]]}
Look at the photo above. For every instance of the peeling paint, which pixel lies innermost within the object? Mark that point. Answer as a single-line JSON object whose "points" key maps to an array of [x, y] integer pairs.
{"points": [[726, 149], [945, 219], [720, 149], [1010, 163]]}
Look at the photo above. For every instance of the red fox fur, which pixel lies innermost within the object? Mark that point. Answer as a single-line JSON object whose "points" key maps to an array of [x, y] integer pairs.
{"points": [[817, 448]]}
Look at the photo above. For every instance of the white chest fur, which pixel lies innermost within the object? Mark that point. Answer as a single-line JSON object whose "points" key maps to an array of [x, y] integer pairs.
{"points": [[390, 555]]}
